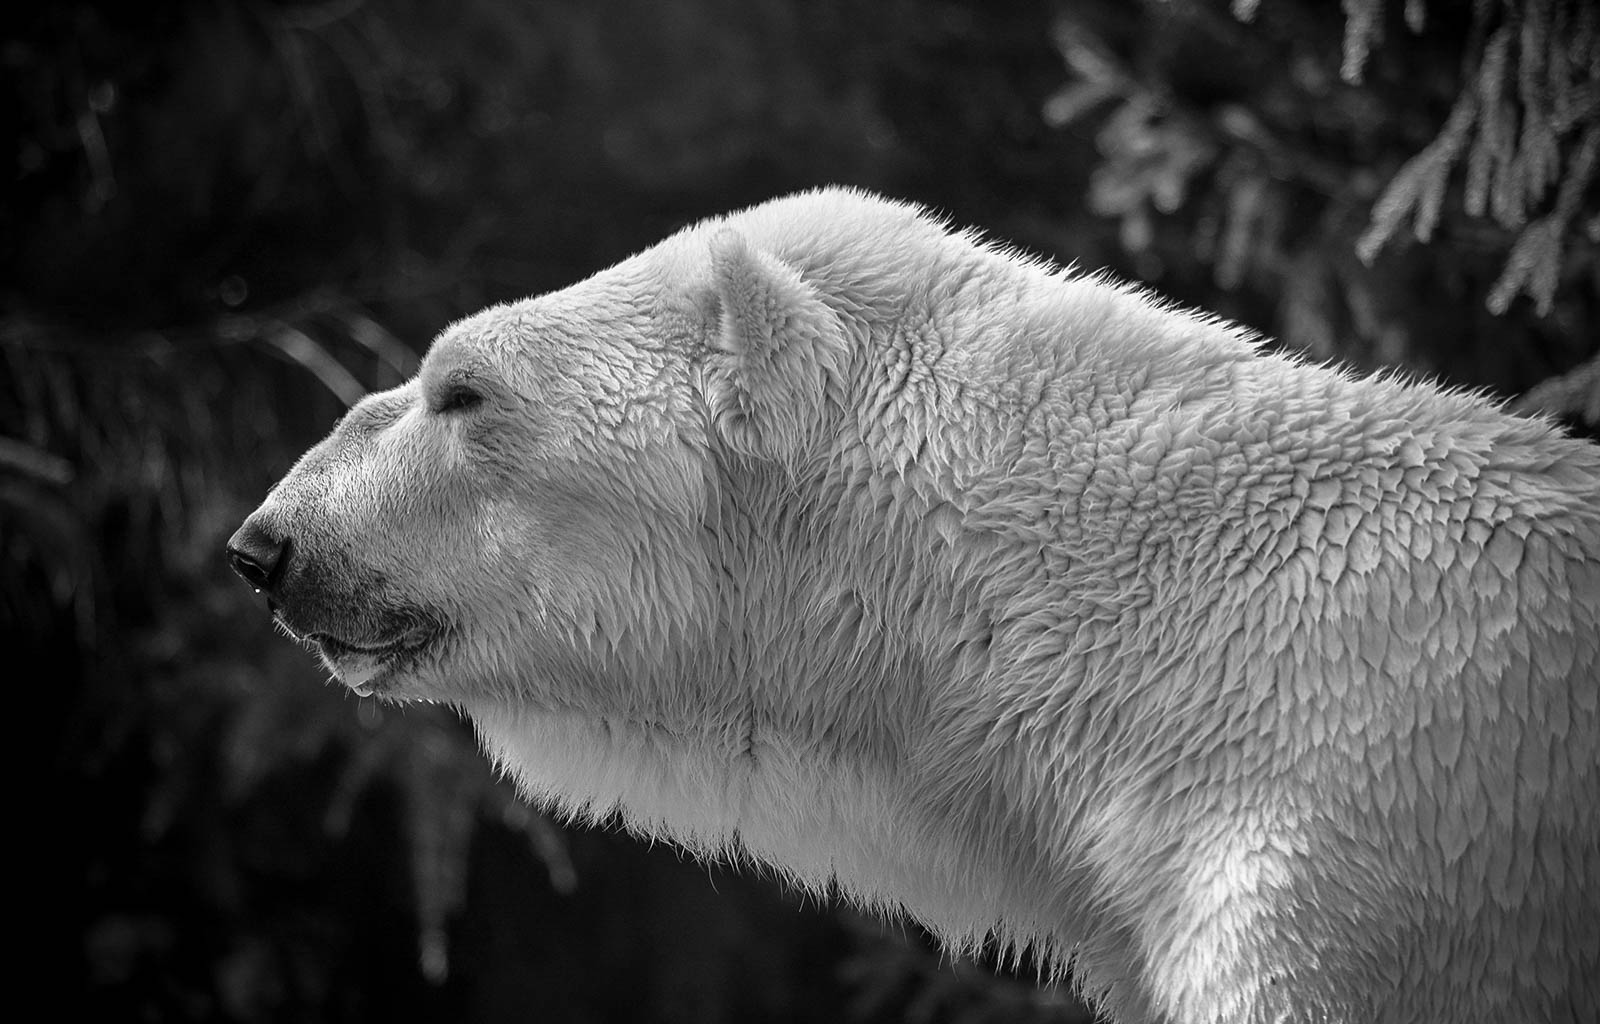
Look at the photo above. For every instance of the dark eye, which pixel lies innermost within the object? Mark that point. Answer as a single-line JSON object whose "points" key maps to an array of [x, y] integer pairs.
{"points": [[458, 398]]}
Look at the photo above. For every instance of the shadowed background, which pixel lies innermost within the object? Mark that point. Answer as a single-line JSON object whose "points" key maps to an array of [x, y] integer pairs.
{"points": [[227, 220]]}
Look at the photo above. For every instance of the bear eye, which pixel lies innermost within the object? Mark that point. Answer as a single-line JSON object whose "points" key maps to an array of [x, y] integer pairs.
{"points": [[457, 397]]}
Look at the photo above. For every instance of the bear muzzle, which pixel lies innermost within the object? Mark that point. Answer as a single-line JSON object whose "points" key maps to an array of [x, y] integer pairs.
{"points": [[361, 638]]}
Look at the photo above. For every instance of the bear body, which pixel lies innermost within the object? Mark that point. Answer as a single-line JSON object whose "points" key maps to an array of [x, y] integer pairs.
{"points": [[822, 535]]}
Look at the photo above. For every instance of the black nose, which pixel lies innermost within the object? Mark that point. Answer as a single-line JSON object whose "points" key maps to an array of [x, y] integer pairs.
{"points": [[259, 554]]}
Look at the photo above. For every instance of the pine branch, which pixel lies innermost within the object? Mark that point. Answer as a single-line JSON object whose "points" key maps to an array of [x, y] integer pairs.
{"points": [[1363, 28], [1535, 83], [1574, 393], [1419, 186], [1534, 265]]}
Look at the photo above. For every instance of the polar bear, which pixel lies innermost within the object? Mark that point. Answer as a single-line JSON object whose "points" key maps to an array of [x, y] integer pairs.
{"points": [[822, 535]]}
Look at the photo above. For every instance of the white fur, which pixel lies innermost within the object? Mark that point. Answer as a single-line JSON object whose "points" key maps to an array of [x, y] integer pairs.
{"points": [[823, 536]]}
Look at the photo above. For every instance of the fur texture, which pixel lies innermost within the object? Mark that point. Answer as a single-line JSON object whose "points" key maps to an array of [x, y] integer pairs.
{"points": [[821, 535]]}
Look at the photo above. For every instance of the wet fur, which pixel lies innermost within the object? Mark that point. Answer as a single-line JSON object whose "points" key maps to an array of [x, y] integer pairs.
{"points": [[827, 537]]}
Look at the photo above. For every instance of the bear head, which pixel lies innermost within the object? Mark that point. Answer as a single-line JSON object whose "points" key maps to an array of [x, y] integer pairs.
{"points": [[528, 516]]}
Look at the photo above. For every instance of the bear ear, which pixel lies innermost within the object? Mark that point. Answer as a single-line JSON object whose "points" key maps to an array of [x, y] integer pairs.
{"points": [[777, 353]]}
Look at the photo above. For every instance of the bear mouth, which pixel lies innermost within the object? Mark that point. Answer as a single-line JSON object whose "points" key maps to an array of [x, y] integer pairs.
{"points": [[367, 667], [335, 647]]}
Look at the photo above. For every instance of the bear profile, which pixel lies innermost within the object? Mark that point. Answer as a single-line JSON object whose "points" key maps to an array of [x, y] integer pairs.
{"points": [[822, 535]]}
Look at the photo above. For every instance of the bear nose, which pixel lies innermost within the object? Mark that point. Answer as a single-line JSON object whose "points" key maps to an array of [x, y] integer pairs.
{"points": [[259, 554]]}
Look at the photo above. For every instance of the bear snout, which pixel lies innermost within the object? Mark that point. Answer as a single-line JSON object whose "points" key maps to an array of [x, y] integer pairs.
{"points": [[318, 593], [259, 554]]}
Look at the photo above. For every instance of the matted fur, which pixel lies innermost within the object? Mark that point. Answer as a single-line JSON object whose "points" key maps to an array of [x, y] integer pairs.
{"points": [[821, 535]]}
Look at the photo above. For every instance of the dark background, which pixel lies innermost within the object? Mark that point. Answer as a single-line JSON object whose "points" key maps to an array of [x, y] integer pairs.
{"points": [[225, 220]]}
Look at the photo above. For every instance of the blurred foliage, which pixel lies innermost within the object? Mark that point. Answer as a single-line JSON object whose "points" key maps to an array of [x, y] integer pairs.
{"points": [[228, 219], [1239, 142]]}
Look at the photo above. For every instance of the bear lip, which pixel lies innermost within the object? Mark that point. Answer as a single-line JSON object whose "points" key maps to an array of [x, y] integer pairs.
{"points": [[334, 646], [414, 637], [363, 658], [368, 668]]}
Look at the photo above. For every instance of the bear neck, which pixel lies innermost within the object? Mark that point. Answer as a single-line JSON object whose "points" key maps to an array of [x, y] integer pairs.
{"points": [[891, 657], [810, 727]]}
